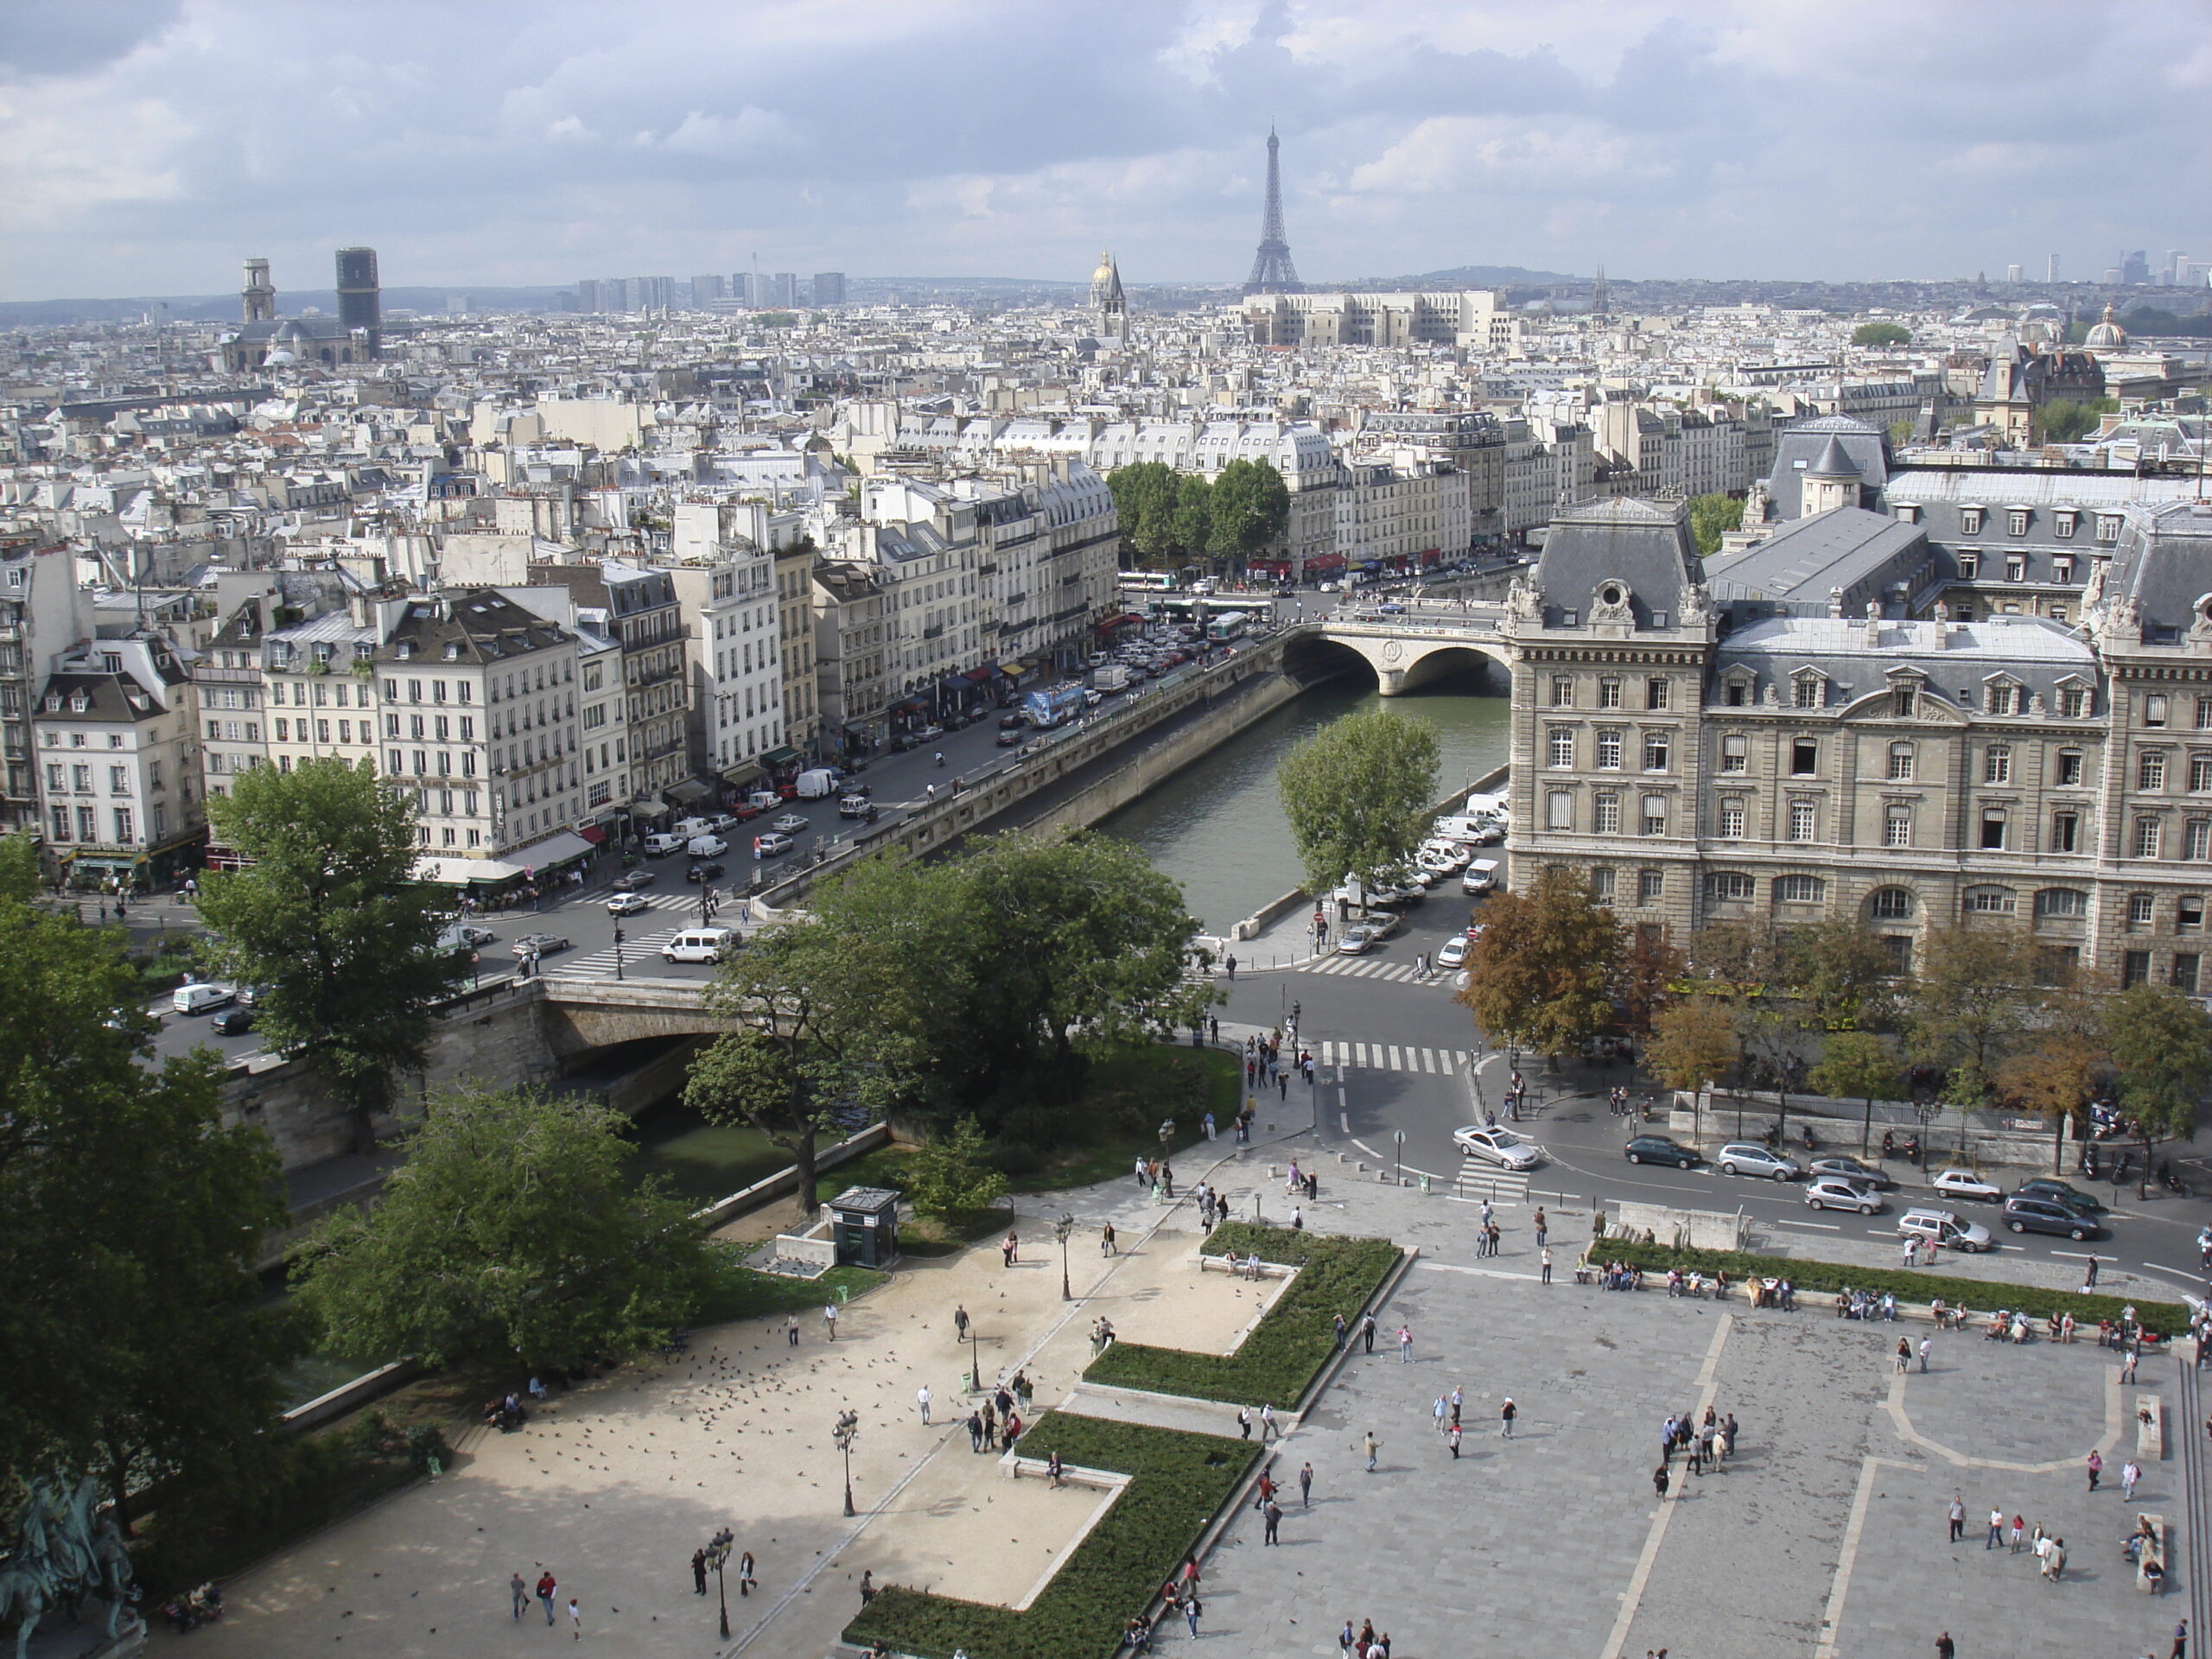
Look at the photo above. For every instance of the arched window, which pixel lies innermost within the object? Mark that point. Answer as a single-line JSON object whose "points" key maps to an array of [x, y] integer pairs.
{"points": [[1891, 904]]}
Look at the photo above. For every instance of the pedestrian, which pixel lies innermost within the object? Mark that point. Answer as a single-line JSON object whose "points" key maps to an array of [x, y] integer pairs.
{"points": [[1273, 1513], [1544, 1260], [975, 1431], [922, 1399], [1367, 1336], [1268, 1432], [1451, 1440], [1905, 1354], [698, 1574], [829, 1320], [1958, 1518], [1996, 1535], [1191, 1611], [1436, 1413], [2129, 1474], [518, 1593], [746, 1584], [2054, 1565], [2096, 1468], [1405, 1344], [1505, 1416], [1053, 1469], [2127, 1363], [1305, 1486], [791, 1329], [960, 1322], [1230, 963], [1106, 1245], [1374, 1446], [1213, 1027], [2180, 1649], [2089, 1277], [1010, 1247], [1297, 1219], [1541, 1228], [1945, 1648], [2020, 1525], [546, 1586], [1659, 1482], [1459, 1399], [1340, 1331], [868, 1586], [1244, 1422], [575, 1621], [1925, 1344]]}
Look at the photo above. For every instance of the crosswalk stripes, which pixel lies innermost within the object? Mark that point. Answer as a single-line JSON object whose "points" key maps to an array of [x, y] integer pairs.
{"points": [[1355, 967], [1477, 1179], [643, 946], [1395, 1057]]}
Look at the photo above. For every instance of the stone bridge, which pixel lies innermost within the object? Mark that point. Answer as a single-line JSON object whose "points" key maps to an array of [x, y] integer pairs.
{"points": [[1404, 650], [577, 1016]]}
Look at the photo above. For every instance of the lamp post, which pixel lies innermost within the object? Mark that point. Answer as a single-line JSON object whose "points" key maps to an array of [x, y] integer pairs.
{"points": [[848, 1431], [1401, 1157], [975, 1360], [1064, 1230], [618, 950], [722, 1591]]}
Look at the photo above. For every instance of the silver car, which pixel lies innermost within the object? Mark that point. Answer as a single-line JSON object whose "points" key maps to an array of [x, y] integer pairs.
{"points": [[1831, 1192], [1745, 1158]]}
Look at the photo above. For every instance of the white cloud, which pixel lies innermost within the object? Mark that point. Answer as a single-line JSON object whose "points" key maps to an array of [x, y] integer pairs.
{"points": [[751, 132], [1452, 152]]}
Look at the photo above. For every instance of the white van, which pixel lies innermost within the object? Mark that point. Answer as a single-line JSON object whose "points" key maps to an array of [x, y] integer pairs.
{"points": [[688, 828], [706, 847], [817, 783], [1481, 877], [699, 944], [199, 999], [660, 845]]}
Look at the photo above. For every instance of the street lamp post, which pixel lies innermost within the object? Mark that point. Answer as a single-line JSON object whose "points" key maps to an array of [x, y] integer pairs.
{"points": [[1063, 1230], [975, 1360], [845, 1433], [1401, 1157], [618, 950], [722, 1591]]}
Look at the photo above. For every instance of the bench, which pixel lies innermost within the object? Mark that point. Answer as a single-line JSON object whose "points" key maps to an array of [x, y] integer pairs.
{"points": [[1013, 1466], [2149, 1428], [1233, 1265], [2154, 1549]]}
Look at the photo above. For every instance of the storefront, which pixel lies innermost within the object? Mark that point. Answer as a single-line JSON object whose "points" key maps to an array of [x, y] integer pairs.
{"points": [[782, 764]]}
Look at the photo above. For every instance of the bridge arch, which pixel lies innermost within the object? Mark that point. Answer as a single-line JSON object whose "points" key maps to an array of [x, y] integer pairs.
{"points": [[1403, 659]]}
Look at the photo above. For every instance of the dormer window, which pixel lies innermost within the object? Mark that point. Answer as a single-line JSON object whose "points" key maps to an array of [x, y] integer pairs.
{"points": [[1908, 515], [1970, 521], [2064, 522], [1969, 566], [2016, 521], [79, 703], [2108, 526], [2003, 697], [1808, 691]]}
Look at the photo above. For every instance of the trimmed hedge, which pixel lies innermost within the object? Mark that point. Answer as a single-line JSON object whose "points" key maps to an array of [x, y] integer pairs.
{"points": [[1288, 1348], [1178, 1482], [1985, 1295]]}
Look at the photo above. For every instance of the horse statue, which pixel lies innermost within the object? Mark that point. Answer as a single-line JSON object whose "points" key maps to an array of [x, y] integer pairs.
{"points": [[66, 1546]]}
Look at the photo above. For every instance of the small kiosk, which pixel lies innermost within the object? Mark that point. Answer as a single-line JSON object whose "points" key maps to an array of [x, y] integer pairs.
{"points": [[864, 1221]]}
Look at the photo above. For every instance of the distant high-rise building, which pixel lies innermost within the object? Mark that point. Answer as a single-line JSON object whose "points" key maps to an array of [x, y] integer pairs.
{"points": [[783, 289], [2050, 269], [1272, 272], [652, 292], [2134, 267], [360, 300], [2177, 263], [705, 290], [588, 298], [1600, 300], [829, 288], [259, 294], [458, 305], [2012, 274], [740, 288]]}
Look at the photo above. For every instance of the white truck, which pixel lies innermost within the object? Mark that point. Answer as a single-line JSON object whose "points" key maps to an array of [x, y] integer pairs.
{"points": [[1110, 677], [817, 783]]}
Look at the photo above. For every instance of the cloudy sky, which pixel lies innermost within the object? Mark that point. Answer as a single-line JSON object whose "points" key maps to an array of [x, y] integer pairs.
{"points": [[146, 146]]}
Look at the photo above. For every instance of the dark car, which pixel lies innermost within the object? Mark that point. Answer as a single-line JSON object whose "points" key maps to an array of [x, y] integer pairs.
{"points": [[1009, 736], [709, 871], [1662, 1149], [2059, 1192], [1850, 1169], [232, 1022], [631, 880], [904, 742], [1013, 721], [2049, 1216]]}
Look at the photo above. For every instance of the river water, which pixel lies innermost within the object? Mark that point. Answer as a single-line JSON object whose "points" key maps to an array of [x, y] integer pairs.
{"points": [[1218, 827]]}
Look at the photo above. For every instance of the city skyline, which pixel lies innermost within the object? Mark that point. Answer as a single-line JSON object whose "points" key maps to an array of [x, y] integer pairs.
{"points": [[1657, 139]]}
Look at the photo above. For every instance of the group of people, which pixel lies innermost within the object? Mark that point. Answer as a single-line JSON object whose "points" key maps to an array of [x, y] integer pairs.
{"points": [[1213, 1209], [1101, 1335], [995, 1425], [1619, 1103], [1853, 1303], [1159, 1175], [1271, 1059], [1707, 1442], [1365, 1644], [1697, 1285], [2014, 1535], [1619, 1275]]}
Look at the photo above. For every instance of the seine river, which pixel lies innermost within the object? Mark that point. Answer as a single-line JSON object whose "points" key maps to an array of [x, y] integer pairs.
{"points": [[1218, 827]]}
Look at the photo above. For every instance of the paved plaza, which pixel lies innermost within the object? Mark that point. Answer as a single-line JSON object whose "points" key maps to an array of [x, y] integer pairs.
{"points": [[1825, 1537]]}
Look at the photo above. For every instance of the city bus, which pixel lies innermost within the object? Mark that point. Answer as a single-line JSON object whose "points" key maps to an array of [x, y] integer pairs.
{"points": [[1148, 581], [1230, 624]]}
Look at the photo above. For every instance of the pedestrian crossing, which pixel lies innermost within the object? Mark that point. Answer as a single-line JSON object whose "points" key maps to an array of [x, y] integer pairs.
{"points": [[1477, 1180], [1395, 1057], [1361, 968]]}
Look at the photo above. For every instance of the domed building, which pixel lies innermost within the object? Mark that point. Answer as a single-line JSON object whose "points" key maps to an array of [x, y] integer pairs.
{"points": [[1108, 300], [2106, 335]]}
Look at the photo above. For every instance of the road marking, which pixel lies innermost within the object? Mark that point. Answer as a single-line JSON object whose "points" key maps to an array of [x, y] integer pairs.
{"points": [[1428, 1061], [1708, 1386], [1895, 1406], [1824, 1226], [1832, 1617], [2186, 1278]]}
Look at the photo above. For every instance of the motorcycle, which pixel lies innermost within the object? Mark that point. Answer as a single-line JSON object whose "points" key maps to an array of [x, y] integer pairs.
{"points": [[1889, 1143], [1811, 1144], [2170, 1181], [1913, 1148]]}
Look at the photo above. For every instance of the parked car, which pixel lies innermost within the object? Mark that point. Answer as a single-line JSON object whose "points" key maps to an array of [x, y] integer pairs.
{"points": [[627, 903], [1008, 737], [1942, 1227], [1744, 1158], [236, 1022], [2030, 1215], [2044, 1187], [1965, 1184], [706, 847], [774, 844], [1662, 1149], [1014, 720], [1850, 1169], [709, 871], [1453, 953], [471, 934], [1358, 939], [792, 823], [1500, 1147], [539, 944], [631, 880], [1834, 1192], [199, 999]]}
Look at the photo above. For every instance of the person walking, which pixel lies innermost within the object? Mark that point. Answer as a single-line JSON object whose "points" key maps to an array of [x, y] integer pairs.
{"points": [[546, 1586], [1544, 1264], [975, 1431], [518, 1593], [1191, 1611], [1660, 1481], [1012, 1248], [1273, 1515], [698, 1573], [1367, 1331], [960, 1322], [2020, 1528], [922, 1399], [1405, 1344], [1106, 1245], [1269, 1432], [1506, 1414], [791, 1329], [1341, 1331], [2054, 1564], [1926, 1343], [2090, 1275], [2097, 1467], [746, 1584], [1451, 1440], [1541, 1229], [575, 1621], [1144, 1171], [2129, 1474], [1958, 1518], [1230, 963], [2180, 1649], [829, 1320], [1436, 1413], [1459, 1399], [1945, 1648], [1305, 1486], [1373, 1446], [1996, 1535], [1905, 1355]]}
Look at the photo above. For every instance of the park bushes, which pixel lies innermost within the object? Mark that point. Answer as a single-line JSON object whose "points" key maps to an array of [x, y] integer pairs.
{"points": [[1915, 1289], [1178, 1482], [1287, 1350]]}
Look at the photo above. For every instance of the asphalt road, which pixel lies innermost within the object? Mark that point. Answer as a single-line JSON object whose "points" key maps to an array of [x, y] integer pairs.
{"points": [[1406, 1027]]}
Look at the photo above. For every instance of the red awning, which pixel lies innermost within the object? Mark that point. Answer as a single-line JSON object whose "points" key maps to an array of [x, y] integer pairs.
{"points": [[592, 833], [979, 675], [1326, 562], [1120, 621]]}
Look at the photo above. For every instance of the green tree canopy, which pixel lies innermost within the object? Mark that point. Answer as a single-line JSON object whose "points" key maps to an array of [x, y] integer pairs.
{"points": [[2161, 1044], [1856, 1065], [2064, 420], [1713, 517], [949, 1171], [329, 921], [1144, 503], [1250, 508], [1360, 794], [1969, 1006], [1840, 974], [1694, 1042], [1541, 975], [133, 1334], [1192, 523], [512, 1232], [1880, 333]]}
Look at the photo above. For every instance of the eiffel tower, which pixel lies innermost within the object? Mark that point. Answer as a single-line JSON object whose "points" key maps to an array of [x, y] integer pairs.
{"points": [[1272, 272]]}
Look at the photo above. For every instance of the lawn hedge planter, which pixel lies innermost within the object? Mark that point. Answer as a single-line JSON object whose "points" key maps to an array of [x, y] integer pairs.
{"points": [[1288, 1349], [1178, 1483]]}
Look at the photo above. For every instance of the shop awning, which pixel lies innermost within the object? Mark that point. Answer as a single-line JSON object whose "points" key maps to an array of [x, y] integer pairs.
{"points": [[461, 872], [744, 773], [1122, 620], [592, 833], [689, 792], [979, 675], [550, 852], [1016, 671], [783, 757]]}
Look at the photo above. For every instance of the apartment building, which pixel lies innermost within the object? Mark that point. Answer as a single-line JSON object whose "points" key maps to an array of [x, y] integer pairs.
{"points": [[119, 793], [726, 554], [851, 654], [799, 738], [42, 612], [635, 605]]}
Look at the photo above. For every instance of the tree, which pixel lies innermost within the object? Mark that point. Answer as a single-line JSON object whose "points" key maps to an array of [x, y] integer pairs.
{"points": [[513, 1232], [1651, 969], [1541, 975], [1856, 1063], [135, 1338], [2066, 421], [1713, 517], [2161, 1044], [1968, 1006], [949, 1173], [329, 921], [1880, 333], [1144, 503], [1842, 974], [2055, 1070], [1694, 1042], [1359, 793], [1250, 508], [1192, 524]]}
